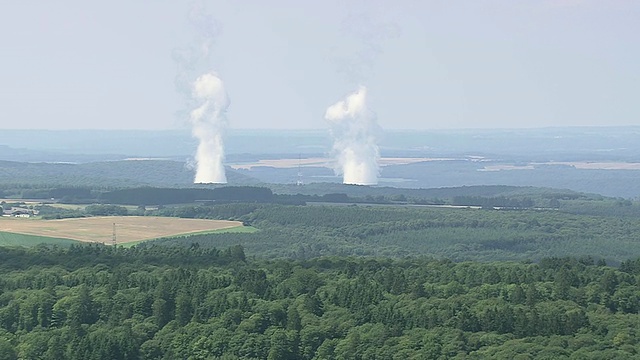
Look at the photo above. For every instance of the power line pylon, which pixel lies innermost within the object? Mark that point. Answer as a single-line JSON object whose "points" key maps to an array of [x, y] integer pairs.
{"points": [[114, 238]]}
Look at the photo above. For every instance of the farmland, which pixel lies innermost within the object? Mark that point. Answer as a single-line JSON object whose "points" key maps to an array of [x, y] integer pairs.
{"points": [[100, 229], [324, 162], [13, 239]]}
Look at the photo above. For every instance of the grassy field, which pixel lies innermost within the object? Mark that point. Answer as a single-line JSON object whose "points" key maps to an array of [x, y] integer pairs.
{"points": [[129, 229], [234, 230], [12, 239]]}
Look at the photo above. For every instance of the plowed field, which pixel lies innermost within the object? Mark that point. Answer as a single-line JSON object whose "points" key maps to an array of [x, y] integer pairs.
{"points": [[100, 229]]}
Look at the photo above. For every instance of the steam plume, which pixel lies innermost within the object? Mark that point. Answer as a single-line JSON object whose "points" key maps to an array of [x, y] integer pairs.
{"points": [[354, 129], [209, 122], [206, 95]]}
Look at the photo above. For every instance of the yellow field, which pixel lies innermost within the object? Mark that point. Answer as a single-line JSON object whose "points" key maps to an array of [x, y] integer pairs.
{"points": [[100, 229], [588, 165], [386, 161], [323, 162]]}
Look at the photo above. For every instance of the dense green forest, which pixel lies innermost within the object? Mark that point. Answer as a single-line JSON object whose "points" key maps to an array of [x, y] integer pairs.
{"points": [[156, 302], [361, 273], [459, 234]]}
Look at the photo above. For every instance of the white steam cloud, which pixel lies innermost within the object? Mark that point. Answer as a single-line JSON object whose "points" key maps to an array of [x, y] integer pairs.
{"points": [[208, 125], [354, 129], [207, 98]]}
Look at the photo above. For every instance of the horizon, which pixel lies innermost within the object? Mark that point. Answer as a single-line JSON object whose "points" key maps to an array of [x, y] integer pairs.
{"points": [[275, 130]]}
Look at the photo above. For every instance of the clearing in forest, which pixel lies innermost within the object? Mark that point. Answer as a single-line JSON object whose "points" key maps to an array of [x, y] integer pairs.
{"points": [[101, 229]]}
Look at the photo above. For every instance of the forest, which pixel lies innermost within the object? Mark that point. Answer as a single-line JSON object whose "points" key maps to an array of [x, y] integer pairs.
{"points": [[459, 234], [461, 273], [165, 302]]}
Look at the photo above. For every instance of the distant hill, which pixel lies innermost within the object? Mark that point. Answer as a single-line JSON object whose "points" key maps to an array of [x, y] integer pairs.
{"points": [[163, 143], [431, 193], [435, 174], [8, 153], [106, 174], [550, 158], [560, 144]]}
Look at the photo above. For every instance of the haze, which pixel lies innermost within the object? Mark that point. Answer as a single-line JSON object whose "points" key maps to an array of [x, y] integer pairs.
{"points": [[426, 64]]}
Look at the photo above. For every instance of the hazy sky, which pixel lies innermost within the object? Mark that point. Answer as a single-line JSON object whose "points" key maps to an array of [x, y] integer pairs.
{"points": [[427, 64]]}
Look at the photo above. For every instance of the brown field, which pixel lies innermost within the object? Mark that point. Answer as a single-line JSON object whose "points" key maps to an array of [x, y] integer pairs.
{"points": [[321, 162], [589, 165], [600, 165], [100, 229], [386, 161]]}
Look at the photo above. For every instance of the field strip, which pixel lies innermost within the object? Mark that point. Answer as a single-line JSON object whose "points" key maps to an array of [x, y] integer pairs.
{"points": [[13, 239], [323, 162], [100, 229], [234, 230]]}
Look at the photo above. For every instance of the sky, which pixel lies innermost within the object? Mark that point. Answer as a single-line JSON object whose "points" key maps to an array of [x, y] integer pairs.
{"points": [[427, 64]]}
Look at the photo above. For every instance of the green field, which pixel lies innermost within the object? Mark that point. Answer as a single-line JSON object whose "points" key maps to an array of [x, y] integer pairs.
{"points": [[13, 239], [235, 230]]}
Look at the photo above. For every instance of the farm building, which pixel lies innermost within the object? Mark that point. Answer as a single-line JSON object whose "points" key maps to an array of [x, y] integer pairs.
{"points": [[19, 212]]}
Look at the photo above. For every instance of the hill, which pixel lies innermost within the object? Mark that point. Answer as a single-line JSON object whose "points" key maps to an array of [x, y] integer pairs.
{"points": [[107, 174]]}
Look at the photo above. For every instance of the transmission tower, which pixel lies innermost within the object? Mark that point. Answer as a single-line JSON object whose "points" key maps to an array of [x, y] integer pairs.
{"points": [[113, 239]]}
